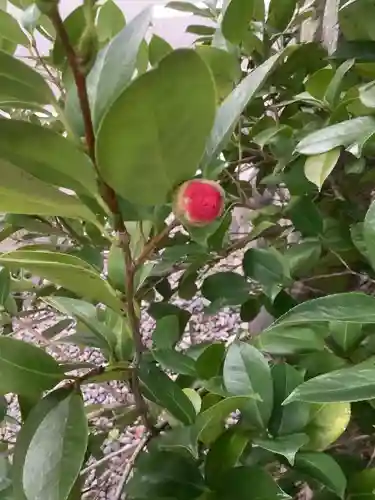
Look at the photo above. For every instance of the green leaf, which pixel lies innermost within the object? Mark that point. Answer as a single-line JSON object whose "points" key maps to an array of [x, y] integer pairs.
{"points": [[240, 481], [237, 17], [225, 68], [118, 59], [3, 408], [287, 446], [11, 30], [159, 310], [348, 384], [340, 134], [319, 167], [332, 94], [160, 475], [323, 468], [20, 84], [189, 7], [280, 14], [369, 233], [25, 368], [110, 21], [224, 454], [166, 333], [178, 440], [46, 467], [294, 417], [305, 216], [85, 313], [58, 162], [175, 361], [232, 107], [228, 286], [356, 20], [166, 393], [209, 362], [21, 193], [301, 258], [267, 267], [209, 423], [144, 168], [246, 372], [367, 95], [290, 340], [158, 48], [350, 307], [64, 270], [346, 335], [4, 286]]}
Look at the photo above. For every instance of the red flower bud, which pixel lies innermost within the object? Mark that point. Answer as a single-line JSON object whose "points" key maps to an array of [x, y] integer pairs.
{"points": [[199, 202]]}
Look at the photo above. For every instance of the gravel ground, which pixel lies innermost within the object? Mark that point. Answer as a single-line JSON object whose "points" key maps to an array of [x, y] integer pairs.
{"points": [[102, 480]]}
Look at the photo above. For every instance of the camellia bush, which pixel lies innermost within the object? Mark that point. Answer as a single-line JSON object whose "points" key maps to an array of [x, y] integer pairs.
{"points": [[123, 163]]}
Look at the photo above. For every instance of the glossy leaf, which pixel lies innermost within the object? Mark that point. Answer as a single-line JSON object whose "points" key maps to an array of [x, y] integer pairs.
{"points": [[20, 84], [210, 422], [158, 48], [53, 472], [64, 270], [224, 454], [305, 216], [333, 91], [291, 418], [5, 283], [110, 21], [232, 107], [57, 161], [157, 160], [166, 333], [287, 446], [24, 368], [267, 267], [230, 287], [246, 372], [239, 481], [288, 340], [237, 17], [11, 30], [118, 59], [175, 361], [346, 335], [224, 66], [209, 362], [166, 393], [188, 7], [280, 14], [348, 384], [21, 193], [301, 258], [319, 167], [160, 474], [324, 468], [354, 307], [85, 313], [340, 134], [369, 233]]}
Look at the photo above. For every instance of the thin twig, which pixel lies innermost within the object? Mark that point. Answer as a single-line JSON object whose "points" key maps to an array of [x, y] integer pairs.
{"points": [[129, 467], [54, 79], [154, 242], [125, 449], [79, 79]]}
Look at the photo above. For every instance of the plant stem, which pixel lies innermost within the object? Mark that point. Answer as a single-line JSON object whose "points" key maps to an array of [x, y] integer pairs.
{"points": [[109, 196], [129, 466], [153, 243]]}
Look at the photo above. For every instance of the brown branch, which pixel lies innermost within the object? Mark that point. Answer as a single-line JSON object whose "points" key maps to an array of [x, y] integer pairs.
{"points": [[110, 198], [154, 243], [79, 79], [129, 467]]}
